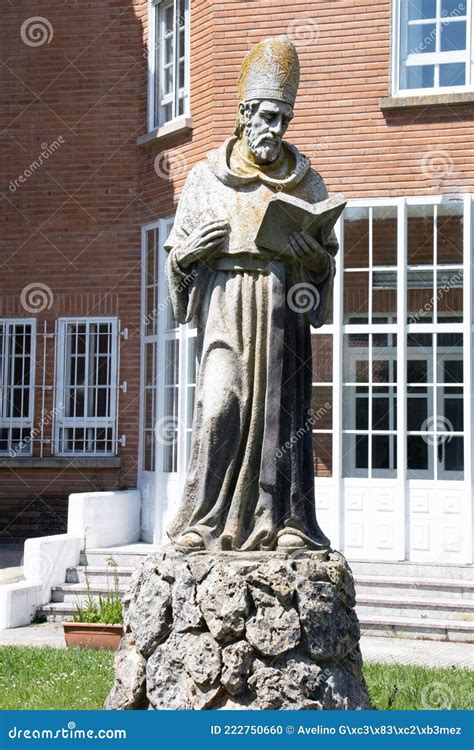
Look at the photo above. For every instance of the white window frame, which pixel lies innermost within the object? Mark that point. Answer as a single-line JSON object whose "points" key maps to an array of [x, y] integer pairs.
{"points": [[63, 422], [155, 109], [182, 334], [8, 422], [402, 328], [430, 59]]}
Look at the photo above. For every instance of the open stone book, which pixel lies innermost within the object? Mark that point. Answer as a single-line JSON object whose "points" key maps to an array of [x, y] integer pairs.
{"points": [[286, 214]]}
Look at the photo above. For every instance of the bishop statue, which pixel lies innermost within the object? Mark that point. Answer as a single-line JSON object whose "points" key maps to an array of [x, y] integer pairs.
{"points": [[250, 479]]}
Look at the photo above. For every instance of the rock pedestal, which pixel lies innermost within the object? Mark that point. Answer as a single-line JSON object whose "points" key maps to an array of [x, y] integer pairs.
{"points": [[240, 631]]}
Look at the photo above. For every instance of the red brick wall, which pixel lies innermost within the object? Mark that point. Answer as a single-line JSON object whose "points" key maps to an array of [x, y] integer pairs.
{"points": [[74, 225]]}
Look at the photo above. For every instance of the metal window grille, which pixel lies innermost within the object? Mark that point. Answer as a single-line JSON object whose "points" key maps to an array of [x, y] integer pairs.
{"points": [[87, 387], [170, 61], [17, 357]]}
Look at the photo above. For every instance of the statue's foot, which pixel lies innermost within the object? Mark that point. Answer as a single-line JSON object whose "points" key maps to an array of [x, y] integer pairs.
{"points": [[290, 541], [191, 540]]}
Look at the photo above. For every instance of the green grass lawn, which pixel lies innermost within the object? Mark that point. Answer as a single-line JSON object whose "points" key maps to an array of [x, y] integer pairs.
{"points": [[48, 678], [51, 678]]}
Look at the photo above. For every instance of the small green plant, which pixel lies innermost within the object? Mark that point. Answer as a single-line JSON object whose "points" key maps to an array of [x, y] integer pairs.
{"points": [[106, 610]]}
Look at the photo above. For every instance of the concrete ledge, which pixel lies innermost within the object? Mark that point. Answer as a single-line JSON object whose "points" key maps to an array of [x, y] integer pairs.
{"points": [[108, 462], [47, 559], [18, 604], [105, 518], [403, 102], [179, 125]]}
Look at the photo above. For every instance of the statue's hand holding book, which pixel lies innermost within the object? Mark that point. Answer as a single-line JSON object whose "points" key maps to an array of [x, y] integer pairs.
{"points": [[295, 229]]}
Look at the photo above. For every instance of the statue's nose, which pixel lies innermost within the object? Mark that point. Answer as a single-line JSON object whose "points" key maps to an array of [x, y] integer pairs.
{"points": [[277, 129]]}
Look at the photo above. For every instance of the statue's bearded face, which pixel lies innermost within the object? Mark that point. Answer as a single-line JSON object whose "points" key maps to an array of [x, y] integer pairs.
{"points": [[264, 125]]}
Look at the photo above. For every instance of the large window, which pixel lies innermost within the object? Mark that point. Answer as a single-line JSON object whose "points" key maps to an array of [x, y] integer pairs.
{"points": [[168, 61], [433, 46], [17, 357], [86, 394], [403, 335]]}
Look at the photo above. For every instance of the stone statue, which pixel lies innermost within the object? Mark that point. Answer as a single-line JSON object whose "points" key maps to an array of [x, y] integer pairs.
{"points": [[250, 481], [248, 608]]}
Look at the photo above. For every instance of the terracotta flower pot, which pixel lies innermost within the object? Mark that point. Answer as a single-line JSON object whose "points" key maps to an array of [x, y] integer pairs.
{"points": [[92, 635]]}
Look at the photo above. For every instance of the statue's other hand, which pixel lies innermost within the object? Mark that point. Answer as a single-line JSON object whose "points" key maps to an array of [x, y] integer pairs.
{"points": [[307, 251], [202, 242]]}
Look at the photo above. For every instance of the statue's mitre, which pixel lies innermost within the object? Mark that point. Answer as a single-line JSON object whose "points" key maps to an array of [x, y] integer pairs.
{"points": [[271, 70]]}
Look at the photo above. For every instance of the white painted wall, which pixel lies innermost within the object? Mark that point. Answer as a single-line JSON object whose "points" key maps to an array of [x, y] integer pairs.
{"points": [[106, 519]]}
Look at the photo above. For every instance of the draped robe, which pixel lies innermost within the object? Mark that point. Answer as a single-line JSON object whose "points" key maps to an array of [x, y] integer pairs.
{"points": [[250, 476]]}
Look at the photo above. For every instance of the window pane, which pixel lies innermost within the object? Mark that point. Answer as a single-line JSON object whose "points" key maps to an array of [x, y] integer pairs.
{"points": [[417, 371], [450, 295], [322, 455], [356, 293], [356, 238], [418, 9], [322, 358], [451, 408], [418, 410], [451, 371], [381, 370], [454, 455], [421, 39], [417, 453], [419, 77], [384, 236], [356, 362], [454, 8], [361, 410], [453, 36], [384, 301], [381, 412], [384, 455], [355, 455], [420, 235], [321, 404], [450, 225], [420, 296], [453, 74]]}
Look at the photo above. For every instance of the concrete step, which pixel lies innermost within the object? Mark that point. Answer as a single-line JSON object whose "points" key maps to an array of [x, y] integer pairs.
{"points": [[58, 611], [415, 588], [384, 569], [413, 627], [77, 592], [424, 608], [129, 555], [98, 574]]}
